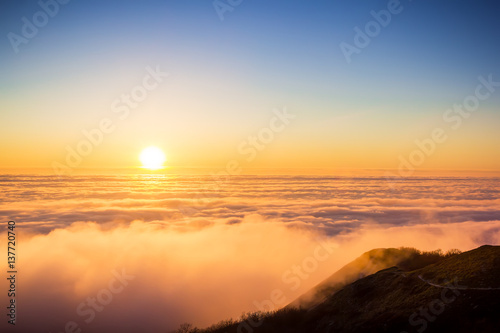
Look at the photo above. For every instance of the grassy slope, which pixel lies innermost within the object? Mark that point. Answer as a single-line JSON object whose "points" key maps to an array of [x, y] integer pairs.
{"points": [[367, 264], [392, 299], [385, 301]]}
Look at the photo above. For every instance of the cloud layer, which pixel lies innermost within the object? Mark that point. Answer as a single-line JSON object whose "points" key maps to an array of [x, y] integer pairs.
{"points": [[333, 204], [145, 254]]}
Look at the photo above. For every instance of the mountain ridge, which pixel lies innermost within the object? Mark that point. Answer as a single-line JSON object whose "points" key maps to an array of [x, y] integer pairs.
{"points": [[458, 293]]}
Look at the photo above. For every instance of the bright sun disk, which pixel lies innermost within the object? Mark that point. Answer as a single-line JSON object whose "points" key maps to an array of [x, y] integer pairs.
{"points": [[152, 158]]}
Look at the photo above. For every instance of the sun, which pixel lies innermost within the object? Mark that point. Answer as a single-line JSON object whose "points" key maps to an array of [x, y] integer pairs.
{"points": [[152, 158]]}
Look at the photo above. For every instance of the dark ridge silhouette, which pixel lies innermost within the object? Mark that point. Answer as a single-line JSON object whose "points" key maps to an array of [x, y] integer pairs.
{"points": [[422, 292], [370, 262]]}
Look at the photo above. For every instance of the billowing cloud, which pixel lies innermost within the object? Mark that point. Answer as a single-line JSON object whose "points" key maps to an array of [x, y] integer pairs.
{"points": [[128, 254], [151, 277], [335, 204]]}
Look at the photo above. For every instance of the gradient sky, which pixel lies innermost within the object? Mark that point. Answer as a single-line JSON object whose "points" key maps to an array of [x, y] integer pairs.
{"points": [[226, 77]]}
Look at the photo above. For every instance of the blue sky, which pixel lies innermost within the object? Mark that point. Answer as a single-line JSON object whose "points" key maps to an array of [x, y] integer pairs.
{"points": [[264, 54]]}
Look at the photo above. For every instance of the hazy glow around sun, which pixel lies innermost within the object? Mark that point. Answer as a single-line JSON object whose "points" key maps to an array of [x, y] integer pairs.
{"points": [[152, 158]]}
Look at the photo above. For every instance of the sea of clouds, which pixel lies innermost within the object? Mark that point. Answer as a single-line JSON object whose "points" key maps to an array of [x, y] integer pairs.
{"points": [[148, 252]]}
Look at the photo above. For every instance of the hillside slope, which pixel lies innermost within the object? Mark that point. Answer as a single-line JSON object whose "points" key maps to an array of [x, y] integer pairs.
{"points": [[368, 263], [457, 294]]}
